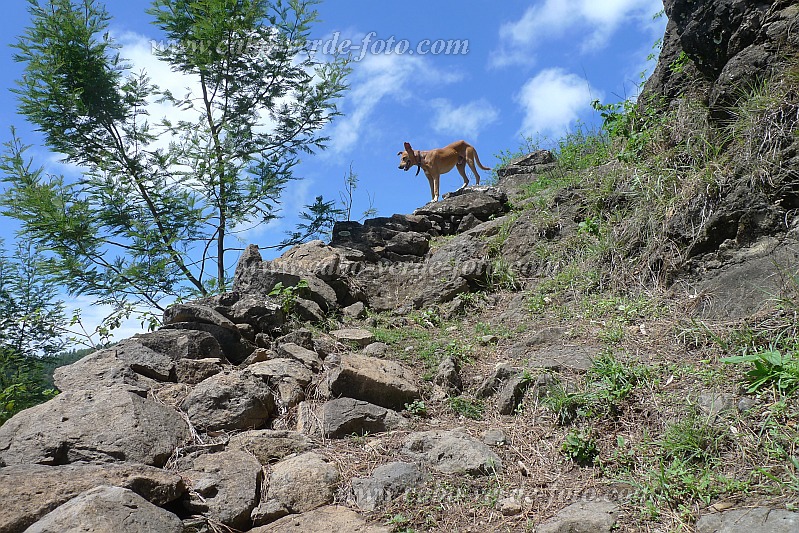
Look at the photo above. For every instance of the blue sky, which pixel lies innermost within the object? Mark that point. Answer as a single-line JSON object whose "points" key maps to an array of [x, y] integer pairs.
{"points": [[529, 69]]}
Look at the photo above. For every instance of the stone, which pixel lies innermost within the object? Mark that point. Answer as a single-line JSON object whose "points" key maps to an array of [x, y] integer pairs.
{"points": [[30, 491], [315, 257], [512, 392], [494, 382], [260, 278], [480, 202], [558, 358], [104, 509], [224, 487], [194, 371], [104, 368], [759, 519], [330, 519], [267, 512], [376, 349], [453, 452], [231, 400], [194, 313], [448, 376], [102, 426], [262, 313], [378, 381], [510, 506], [303, 483], [181, 344], [495, 437], [235, 348], [346, 416], [596, 517], [289, 377], [386, 483], [300, 337], [713, 404], [307, 357], [356, 310], [357, 337], [270, 446]]}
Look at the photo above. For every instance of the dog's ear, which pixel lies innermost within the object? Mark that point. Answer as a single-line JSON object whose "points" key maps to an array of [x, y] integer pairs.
{"points": [[411, 154], [399, 153]]}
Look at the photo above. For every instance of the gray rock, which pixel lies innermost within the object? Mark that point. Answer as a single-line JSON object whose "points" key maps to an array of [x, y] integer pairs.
{"points": [[300, 337], [105, 368], [232, 400], [713, 404], [453, 452], [512, 393], [194, 313], [558, 358], [270, 446], [480, 202], [104, 509], [386, 483], [107, 425], [305, 356], [303, 483], [759, 519], [356, 310], [315, 256], [267, 512], [408, 243], [345, 416], [179, 345], [289, 377], [29, 491], [448, 376], [234, 347], [193, 371], [596, 517], [378, 381], [358, 337], [494, 382], [263, 314], [495, 437], [224, 487], [331, 519], [376, 349]]}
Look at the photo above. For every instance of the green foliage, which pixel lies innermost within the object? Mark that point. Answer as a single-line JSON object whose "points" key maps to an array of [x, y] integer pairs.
{"points": [[31, 325], [608, 383], [159, 201], [287, 295], [467, 407], [580, 446], [770, 368], [693, 439], [417, 408], [630, 122]]}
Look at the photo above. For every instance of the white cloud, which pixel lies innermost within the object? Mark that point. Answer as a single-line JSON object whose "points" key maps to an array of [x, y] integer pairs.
{"points": [[374, 80], [463, 121], [552, 101], [595, 21]]}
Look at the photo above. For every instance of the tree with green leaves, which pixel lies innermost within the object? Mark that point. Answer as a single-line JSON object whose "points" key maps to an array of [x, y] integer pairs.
{"points": [[156, 210], [32, 324]]}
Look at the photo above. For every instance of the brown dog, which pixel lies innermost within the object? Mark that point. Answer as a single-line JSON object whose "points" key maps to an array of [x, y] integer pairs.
{"points": [[440, 161]]}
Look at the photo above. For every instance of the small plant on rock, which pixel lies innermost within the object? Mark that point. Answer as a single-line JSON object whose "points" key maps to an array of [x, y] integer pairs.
{"points": [[580, 447], [287, 296]]}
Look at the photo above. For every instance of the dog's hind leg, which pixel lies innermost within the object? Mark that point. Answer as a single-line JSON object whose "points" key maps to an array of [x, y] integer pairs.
{"points": [[461, 166]]}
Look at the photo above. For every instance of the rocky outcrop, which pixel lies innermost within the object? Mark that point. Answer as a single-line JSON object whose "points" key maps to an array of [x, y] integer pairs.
{"points": [[714, 49]]}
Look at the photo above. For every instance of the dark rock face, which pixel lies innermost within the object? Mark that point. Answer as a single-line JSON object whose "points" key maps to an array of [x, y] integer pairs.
{"points": [[731, 45]]}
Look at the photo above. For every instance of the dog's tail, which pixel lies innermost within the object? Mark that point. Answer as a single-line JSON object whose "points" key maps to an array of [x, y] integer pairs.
{"points": [[477, 160]]}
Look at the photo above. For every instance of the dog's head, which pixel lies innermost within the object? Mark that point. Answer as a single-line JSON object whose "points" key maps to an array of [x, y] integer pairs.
{"points": [[408, 158]]}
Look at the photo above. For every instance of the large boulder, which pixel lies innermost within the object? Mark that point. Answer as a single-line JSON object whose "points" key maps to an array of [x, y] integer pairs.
{"points": [[105, 509], [331, 519], [303, 483], [231, 400], [178, 345], [224, 487], [270, 445], [316, 257], [346, 416], [102, 426], [29, 491], [453, 452], [386, 483], [759, 519], [598, 517], [288, 377], [378, 381]]}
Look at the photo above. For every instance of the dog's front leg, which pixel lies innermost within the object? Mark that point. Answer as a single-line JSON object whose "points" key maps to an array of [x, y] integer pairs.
{"points": [[433, 187]]}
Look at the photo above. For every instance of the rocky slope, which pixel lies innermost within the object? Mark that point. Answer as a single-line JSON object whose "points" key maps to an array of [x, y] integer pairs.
{"points": [[544, 354]]}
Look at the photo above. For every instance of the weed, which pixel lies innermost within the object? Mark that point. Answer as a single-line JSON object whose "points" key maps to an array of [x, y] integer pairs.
{"points": [[467, 407], [693, 440], [770, 368], [581, 447], [417, 408], [287, 295]]}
